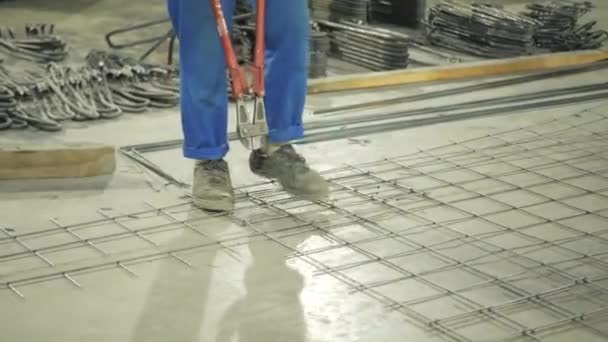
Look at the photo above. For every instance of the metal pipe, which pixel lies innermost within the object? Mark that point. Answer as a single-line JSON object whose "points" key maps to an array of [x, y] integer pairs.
{"points": [[342, 133], [465, 89], [460, 106], [340, 123]]}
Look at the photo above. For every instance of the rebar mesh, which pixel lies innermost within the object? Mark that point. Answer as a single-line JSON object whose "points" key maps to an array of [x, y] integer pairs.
{"points": [[502, 237]]}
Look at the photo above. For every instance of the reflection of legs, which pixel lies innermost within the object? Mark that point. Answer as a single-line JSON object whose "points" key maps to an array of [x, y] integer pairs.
{"points": [[271, 309], [176, 302], [204, 104], [203, 78]]}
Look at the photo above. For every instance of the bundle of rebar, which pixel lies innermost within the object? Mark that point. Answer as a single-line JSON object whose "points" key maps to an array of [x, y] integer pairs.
{"points": [[371, 47], [481, 29], [408, 13], [39, 44], [105, 88], [356, 10], [319, 53], [561, 30]]}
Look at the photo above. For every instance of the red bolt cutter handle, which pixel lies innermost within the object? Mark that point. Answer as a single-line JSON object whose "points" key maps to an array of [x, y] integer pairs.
{"points": [[251, 130], [259, 58], [239, 84]]}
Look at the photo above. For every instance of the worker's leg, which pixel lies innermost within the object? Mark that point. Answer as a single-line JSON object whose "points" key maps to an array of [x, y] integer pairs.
{"points": [[286, 75], [204, 100], [203, 78], [287, 30]]}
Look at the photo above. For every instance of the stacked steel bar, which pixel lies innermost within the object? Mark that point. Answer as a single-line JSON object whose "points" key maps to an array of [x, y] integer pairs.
{"points": [[409, 13], [481, 29], [370, 47], [560, 30], [357, 10], [319, 52]]}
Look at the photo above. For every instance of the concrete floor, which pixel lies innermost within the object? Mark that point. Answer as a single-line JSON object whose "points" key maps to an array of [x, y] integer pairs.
{"points": [[253, 291]]}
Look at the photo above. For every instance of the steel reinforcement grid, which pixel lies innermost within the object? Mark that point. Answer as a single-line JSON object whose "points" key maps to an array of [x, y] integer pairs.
{"points": [[502, 237]]}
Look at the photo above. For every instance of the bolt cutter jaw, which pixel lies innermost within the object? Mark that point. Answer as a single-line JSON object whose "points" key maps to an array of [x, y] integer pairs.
{"points": [[251, 130]]}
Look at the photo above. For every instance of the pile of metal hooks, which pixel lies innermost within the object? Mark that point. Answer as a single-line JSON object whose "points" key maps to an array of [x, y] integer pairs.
{"points": [[40, 44], [561, 31], [136, 87], [481, 29], [105, 88]]}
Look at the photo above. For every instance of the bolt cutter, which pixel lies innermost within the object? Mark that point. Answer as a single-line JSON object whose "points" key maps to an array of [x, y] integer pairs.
{"points": [[251, 129]]}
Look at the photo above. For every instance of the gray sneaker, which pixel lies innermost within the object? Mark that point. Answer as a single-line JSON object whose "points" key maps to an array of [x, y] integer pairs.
{"points": [[212, 187], [291, 171]]}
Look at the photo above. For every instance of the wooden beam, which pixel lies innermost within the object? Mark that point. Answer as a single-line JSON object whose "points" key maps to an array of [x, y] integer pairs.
{"points": [[63, 161], [485, 68]]}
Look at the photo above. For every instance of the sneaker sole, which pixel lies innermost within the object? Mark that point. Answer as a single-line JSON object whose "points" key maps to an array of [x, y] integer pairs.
{"points": [[225, 205]]}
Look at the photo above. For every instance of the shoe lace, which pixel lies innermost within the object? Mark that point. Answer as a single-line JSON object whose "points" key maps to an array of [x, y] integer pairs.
{"points": [[216, 170], [296, 161], [214, 165]]}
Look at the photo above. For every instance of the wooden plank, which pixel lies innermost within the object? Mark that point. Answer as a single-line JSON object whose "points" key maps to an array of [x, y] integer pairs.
{"points": [[485, 68], [53, 161]]}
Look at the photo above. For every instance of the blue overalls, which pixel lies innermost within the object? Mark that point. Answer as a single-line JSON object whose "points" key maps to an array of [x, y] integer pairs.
{"points": [[204, 102]]}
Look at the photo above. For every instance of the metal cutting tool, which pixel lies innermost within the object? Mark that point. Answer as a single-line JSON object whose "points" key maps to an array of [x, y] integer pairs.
{"points": [[252, 129]]}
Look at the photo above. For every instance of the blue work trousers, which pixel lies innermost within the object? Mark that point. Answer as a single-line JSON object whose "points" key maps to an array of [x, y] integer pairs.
{"points": [[204, 103]]}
